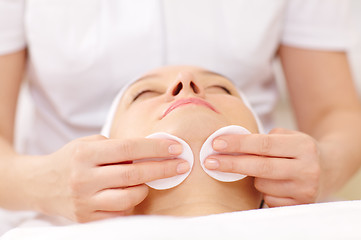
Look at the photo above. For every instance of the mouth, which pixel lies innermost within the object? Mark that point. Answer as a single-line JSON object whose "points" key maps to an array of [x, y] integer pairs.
{"points": [[186, 101]]}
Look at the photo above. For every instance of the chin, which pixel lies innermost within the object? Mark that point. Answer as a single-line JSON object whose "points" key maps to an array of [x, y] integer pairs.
{"points": [[190, 124]]}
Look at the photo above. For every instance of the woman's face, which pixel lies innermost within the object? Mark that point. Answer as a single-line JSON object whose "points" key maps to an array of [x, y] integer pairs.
{"points": [[190, 103], [185, 101]]}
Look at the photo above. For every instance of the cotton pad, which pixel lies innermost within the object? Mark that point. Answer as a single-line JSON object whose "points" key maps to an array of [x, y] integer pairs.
{"points": [[208, 150], [187, 155]]}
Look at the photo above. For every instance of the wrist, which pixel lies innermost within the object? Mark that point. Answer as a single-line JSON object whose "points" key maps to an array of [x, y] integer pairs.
{"points": [[331, 169], [25, 187], [10, 182]]}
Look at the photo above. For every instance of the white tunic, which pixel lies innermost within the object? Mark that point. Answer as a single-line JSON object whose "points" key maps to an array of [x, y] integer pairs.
{"points": [[83, 51]]}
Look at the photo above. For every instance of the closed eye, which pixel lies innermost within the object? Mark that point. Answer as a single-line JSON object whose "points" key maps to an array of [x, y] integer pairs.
{"points": [[222, 88], [142, 93]]}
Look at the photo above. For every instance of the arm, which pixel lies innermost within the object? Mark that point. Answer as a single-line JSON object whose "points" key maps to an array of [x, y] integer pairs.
{"points": [[11, 74], [292, 167], [83, 181], [326, 107]]}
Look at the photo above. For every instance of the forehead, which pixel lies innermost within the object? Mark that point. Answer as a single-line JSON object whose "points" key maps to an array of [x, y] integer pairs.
{"points": [[172, 71]]}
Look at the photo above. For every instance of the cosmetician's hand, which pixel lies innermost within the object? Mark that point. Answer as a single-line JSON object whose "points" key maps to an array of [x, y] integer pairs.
{"points": [[285, 164], [92, 178]]}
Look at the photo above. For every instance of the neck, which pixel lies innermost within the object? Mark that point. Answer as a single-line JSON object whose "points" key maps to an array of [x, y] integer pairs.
{"points": [[200, 194]]}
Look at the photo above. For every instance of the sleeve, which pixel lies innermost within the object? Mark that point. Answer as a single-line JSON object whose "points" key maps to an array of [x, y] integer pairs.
{"points": [[12, 37], [318, 24]]}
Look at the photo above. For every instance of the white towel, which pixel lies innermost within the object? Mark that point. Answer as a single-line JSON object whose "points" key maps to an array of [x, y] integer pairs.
{"points": [[335, 220]]}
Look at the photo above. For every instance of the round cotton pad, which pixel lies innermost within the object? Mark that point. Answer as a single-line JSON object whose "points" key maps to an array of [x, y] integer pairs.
{"points": [[187, 155], [208, 150]]}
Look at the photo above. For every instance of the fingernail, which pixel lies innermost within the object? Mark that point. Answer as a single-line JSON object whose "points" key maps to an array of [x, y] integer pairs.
{"points": [[175, 149], [219, 144], [183, 167], [211, 163]]}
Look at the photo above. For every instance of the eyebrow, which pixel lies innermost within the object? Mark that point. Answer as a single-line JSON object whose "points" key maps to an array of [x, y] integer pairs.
{"points": [[205, 72], [144, 78]]}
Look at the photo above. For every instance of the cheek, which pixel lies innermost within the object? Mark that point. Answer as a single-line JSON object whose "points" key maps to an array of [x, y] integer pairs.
{"points": [[236, 112], [136, 121]]}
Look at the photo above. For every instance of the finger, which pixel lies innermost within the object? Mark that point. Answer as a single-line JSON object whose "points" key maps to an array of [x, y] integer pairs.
{"points": [[306, 193], [119, 199], [273, 145], [124, 175], [116, 151], [276, 188], [95, 137], [253, 165], [282, 131], [101, 215], [273, 201]]}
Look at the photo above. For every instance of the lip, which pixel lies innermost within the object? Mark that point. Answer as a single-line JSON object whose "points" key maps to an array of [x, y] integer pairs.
{"points": [[186, 101]]}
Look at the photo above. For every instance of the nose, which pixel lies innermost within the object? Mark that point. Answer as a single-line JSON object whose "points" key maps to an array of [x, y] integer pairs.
{"points": [[185, 84]]}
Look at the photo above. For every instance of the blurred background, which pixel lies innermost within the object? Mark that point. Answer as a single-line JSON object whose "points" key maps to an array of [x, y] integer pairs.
{"points": [[283, 114]]}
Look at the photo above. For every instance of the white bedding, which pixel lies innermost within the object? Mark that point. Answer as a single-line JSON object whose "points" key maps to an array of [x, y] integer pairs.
{"points": [[335, 220]]}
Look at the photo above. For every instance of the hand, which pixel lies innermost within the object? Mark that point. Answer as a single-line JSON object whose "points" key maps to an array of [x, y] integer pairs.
{"points": [[285, 164], [93, 178]]}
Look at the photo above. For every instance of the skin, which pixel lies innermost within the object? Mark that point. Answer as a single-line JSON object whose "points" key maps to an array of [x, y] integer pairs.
{"points": [[140, 113], [88, 173], [295, 167], [331, 123]]}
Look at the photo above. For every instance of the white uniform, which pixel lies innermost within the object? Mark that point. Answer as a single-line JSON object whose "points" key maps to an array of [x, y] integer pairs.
{"points": [[83, 51]]}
